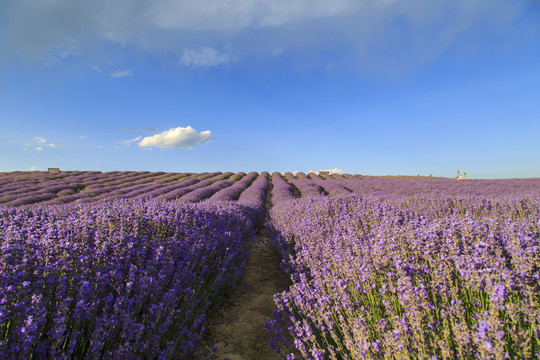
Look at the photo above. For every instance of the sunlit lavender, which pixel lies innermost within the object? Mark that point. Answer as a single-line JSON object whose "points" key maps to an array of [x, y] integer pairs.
{"points": [[419, 277]]}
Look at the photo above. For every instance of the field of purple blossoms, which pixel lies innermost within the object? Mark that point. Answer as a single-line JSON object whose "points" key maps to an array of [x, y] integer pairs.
{"points": [[119, 279], [129, 264], [411, 277], [115, 280]]}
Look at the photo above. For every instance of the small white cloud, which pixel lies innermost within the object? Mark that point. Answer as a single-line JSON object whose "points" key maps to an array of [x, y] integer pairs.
{"points": [[96, 68], [33, 168], [277, 52], [117, 147], [82, 137], [205, 56], [177, 137], [128, 142], [121, 73], [100, 147], [38, 142], [330, 171]]}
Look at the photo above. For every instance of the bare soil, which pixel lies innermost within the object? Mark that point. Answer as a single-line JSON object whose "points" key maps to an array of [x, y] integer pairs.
{"points": [[238, 330]]}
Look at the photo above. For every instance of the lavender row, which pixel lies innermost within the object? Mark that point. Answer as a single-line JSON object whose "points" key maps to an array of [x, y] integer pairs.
{"points": [[374, 278], [407, 186], [281, 189], [205, 192], [305, 185], [254, 197], [329, 187], [205, 181], [234, 191], [169, 187], [115, 280], [57, 186], [96, 188]]}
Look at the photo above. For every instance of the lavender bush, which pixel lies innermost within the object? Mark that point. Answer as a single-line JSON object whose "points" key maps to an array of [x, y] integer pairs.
{"points": [[115, 280], [411, 278]]}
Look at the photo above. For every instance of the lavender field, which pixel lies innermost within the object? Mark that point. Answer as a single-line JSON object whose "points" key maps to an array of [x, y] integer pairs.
{"points": [[131, 264]]}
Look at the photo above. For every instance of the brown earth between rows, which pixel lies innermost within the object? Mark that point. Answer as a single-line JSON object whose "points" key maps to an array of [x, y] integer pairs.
{"points": [[238, 329]]}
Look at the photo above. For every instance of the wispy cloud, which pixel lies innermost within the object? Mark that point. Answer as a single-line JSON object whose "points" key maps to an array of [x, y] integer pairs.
{"points": [[129, 142], [61, 52], [204, 56], [33, 168], [382, 29], [121, 73], [144, 129], [277, 51], [182, 137], [38, 143]]}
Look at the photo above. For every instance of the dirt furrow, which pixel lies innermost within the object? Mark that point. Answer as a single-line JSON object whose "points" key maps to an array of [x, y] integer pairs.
{"points": [[238, 329]]}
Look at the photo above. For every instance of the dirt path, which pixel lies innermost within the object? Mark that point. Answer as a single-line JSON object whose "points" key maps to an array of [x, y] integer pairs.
{"points": [[238, 330]]}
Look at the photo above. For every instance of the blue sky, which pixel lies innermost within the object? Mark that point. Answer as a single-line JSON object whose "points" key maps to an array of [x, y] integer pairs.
{"points": [[372, 87]]}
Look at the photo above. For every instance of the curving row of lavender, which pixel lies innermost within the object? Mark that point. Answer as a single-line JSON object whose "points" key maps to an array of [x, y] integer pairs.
{"points": [[254, 197], [281, 189], [116, 280], [413, 277]]}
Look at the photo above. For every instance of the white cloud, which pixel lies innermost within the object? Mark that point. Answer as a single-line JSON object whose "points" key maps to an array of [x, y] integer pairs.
{"points": [[39, 148], [33, 168], [96, 68], [40, 140], [100, 147], [331, 171], [56, 145], [183, 137], [129, 142], [121, 73], [204, 56], [82, 137]]}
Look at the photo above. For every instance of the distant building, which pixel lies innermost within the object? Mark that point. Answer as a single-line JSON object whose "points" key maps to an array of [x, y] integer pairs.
{"points": [[53, 170]]}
